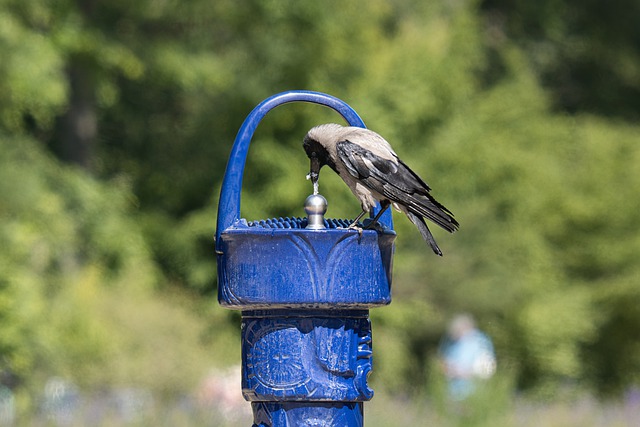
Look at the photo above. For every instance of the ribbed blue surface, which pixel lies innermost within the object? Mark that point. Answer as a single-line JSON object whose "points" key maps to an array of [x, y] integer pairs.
{"points": [[298, 223]]}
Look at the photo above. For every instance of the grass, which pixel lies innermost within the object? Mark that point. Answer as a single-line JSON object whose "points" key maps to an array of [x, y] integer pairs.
{"points": [[584, 411], [385, 410]]}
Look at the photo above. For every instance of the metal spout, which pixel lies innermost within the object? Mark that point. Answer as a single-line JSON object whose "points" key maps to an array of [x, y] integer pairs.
{"points": [[315, 206]]}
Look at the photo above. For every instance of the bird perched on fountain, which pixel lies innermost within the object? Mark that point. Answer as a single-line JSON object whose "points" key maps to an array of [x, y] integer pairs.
{"points": [[373, 172]]}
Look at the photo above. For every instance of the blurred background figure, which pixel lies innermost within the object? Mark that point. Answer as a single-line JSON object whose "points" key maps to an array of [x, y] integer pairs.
{"points": [[467, 356]]}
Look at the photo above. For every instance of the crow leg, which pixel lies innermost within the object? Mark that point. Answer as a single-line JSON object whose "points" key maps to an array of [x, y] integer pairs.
{"points": [[354, 224], [384, 205]]}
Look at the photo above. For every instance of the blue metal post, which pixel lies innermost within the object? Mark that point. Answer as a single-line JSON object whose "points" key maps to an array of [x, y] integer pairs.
{"points": [[305, 296]]}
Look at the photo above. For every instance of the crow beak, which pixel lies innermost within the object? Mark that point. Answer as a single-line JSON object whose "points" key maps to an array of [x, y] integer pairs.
{"points": [[314, 171]]}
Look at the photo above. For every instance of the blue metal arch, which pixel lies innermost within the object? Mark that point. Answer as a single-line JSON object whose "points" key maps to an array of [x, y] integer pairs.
{"points": [[229, 203]]}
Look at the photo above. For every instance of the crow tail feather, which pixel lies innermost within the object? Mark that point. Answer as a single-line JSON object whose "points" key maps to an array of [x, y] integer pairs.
{"points": [[418, 221]]}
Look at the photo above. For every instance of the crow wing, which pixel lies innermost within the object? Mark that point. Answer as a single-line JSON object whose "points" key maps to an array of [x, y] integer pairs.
{"points": [[394, 180]]}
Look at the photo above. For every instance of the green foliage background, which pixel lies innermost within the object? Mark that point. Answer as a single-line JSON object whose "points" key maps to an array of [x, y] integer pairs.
{"points": [[116, 120]]}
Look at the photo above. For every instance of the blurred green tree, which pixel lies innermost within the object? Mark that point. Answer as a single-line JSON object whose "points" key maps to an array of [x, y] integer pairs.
{"points": [[587, 54], [502, 107]]}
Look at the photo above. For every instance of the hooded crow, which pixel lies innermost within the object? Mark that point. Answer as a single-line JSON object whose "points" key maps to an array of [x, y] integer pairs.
{"points": [[373, 172]]}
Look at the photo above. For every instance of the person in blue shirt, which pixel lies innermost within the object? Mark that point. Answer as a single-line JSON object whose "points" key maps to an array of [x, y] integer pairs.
{"points": [[467, 357]]}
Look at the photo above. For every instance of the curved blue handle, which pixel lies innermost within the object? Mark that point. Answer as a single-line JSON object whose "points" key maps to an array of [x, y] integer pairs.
{"points": [[229, 203]]}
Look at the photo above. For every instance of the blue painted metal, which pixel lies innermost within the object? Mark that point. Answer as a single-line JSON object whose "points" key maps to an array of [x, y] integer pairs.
{"points": [[313, 355], [297, 268], [305, 297], [229, 203]]}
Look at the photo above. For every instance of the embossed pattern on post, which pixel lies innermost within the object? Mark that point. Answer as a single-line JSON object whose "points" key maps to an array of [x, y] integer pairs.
{"points": [[312, 358], [329, 268], [296, 414]]}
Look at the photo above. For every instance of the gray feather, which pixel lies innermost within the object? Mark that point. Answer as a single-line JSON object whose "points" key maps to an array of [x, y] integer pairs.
{"points": [[372, 170], [396, 182]]}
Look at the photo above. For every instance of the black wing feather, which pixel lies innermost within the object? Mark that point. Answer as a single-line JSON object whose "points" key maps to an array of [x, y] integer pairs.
{"points": [[361, 162], [397, 182]]}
